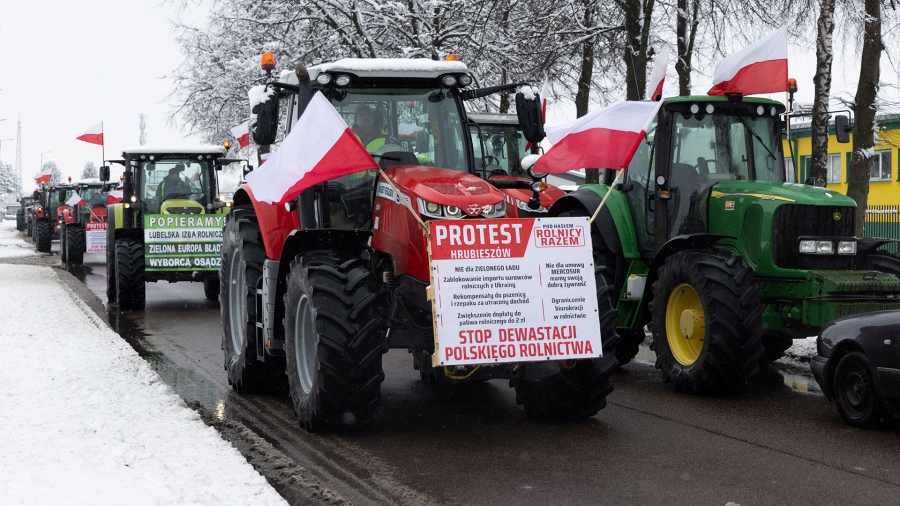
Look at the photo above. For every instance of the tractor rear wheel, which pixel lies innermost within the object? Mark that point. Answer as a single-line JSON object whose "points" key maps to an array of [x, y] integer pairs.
{"points": [[334, 341], [63, 257], [130, 278], [579, 390], [20, 222], [74, 245], [707, 322], [43, 236], [243, 255]]}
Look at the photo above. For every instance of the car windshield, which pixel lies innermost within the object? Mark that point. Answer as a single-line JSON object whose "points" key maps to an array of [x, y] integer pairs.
{"points": [[728, 146], [174, 178], [424, 125], [503, 149]]}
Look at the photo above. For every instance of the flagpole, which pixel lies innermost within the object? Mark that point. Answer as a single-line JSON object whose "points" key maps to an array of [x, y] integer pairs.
{"points": [[102, 146]]}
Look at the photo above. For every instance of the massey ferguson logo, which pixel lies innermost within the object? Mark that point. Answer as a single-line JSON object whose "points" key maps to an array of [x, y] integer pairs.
{"points": [[473, 210]]}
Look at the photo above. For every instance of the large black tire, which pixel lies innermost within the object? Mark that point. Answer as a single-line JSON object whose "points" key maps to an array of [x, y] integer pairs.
{"points": [[578, 391], [43, 236], [334, 342], [713, 296], [884, 262], [20, 222], [211, 288], [243, 255], [629, 344], [856, 393], [110, 264], [63, 257], [29, 226], [130, 277], [74, 244]]}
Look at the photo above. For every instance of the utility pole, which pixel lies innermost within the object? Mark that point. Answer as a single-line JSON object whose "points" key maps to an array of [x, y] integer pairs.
{"points": [[19, 158], [143, 138]]}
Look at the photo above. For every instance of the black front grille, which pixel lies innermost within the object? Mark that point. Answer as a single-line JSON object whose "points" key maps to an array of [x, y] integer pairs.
{"points": [[795, 221]]}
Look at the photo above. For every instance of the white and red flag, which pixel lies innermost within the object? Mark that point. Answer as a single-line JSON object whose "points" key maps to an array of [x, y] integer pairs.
{"points": [[114, 197], [44, 176], [241, 134], [658, 75], [319, 148], [603, 139], [75, 200], [94, 134], [761, 67], [544, 101]]}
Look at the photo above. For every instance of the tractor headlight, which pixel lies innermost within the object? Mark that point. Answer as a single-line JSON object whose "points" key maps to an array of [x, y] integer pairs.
{"points": [[807, 246], [453, 212], [342, 80], [497, 210], [824, 247], [847, 248], [429, 209], [448, 81], [433, 208], [323, 79], [820, 247]]}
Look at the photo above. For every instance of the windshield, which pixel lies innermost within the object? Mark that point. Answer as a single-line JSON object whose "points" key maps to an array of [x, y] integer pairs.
{"points": [[727, 147], [423, 125], [173, 178], [504, 147], [93, 195]]}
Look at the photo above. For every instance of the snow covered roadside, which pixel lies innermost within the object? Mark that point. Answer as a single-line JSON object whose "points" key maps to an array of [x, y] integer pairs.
{"points": [[85, 420]]}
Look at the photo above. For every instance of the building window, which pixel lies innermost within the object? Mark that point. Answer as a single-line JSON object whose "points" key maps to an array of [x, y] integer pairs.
{"points": [[834, 169], [790, 175], [881, 166], [804, 168]]}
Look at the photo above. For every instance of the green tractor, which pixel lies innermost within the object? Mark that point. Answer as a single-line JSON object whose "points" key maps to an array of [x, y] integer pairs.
{"points": [[707, 243], [22, 213], [168, 226]]}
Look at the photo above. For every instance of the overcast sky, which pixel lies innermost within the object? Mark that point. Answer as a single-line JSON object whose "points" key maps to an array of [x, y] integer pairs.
{"points": [[67, 65]]}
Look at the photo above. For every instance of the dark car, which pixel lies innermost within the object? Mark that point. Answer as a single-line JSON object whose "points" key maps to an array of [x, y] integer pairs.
{"points": [[857, 365]]}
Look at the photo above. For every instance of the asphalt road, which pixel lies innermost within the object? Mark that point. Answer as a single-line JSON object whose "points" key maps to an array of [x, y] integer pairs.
{"points": [[771, 444]]}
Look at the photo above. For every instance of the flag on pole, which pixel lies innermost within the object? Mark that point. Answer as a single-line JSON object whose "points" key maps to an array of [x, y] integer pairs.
{"points": [[114, 197], [241, 134], [544, 101], [94, 134], [761, 67], [44, 176], [658, 75], [75, 200], [319, 148], [603, 139]]}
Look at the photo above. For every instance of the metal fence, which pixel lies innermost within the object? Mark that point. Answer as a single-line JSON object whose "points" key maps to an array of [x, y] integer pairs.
{"points": [[883, 221]]}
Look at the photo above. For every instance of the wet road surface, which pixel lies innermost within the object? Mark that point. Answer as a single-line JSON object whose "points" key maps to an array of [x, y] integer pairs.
{"points": [[777, 442]]}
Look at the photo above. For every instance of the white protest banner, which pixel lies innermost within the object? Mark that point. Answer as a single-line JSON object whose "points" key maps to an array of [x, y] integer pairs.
{"points": [[95, 237], [513, 290]]}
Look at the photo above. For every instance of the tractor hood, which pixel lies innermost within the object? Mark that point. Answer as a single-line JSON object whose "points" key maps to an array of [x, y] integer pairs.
{"points": [[548, 196], [443, 186], [788, 193]]}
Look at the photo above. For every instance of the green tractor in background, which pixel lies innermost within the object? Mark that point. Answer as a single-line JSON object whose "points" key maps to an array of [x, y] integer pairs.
{"points": [[708, 244]]}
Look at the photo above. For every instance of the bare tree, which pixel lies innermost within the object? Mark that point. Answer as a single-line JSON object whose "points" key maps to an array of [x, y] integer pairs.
{"points": [[822, 83]]}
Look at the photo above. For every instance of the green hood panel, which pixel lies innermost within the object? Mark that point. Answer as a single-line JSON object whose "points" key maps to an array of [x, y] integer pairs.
{"points": [[788, 193]]}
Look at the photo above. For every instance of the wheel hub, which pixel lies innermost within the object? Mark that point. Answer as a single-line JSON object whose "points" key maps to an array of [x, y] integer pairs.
{"points": [[692, 323], [685, 324]]}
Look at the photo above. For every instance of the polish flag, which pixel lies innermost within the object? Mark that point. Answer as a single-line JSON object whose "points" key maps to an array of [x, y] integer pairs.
{"points": [[75, 200], [94, 135], [604, 139], [761, 67], [241, 133], [319, 148], [658, 75], [544, 101], [44, 176], [114, 197]]}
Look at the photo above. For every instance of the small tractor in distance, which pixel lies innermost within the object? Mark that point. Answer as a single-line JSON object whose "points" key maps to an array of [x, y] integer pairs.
{"points": [[75, 220], [168, 226], [318, 290], [48, 200], [22, 213], [707, 243]]}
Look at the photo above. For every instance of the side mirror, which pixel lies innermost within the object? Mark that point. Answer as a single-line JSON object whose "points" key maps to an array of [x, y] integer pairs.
{"points": [[530, 118], [221, 162], [842, 129], [104, 173], [265, 128]]}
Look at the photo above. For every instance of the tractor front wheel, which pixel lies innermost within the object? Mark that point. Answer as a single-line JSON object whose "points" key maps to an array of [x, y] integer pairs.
{"points": [[707, 322], [43, 236], [579, 390], [883, 261], [130, 278], [74, 245], [334, 342], [243, 255]]}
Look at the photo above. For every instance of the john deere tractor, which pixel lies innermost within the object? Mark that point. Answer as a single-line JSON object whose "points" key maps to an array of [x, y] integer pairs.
{"points": [[708, 243]]}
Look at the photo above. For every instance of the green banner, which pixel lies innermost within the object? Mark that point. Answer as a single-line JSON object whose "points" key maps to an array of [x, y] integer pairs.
{"points": [[182, 242]]}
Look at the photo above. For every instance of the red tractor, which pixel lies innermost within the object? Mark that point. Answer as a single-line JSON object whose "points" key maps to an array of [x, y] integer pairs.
{"points": [[49, 201], [85, 218], [319, 289]]}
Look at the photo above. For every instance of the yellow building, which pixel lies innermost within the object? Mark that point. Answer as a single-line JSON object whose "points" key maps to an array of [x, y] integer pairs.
{"points": [[884, 184]]}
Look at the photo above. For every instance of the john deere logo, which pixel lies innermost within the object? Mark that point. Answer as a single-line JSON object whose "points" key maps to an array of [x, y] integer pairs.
{"points": [[836, 216]]}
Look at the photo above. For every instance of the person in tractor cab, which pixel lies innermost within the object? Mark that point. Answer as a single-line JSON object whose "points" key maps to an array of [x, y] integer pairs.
{"points": [[172, 185], [368, 125]]}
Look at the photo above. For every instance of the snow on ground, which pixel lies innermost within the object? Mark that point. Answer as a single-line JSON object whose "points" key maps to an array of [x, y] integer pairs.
{"points": [[85, 420]]}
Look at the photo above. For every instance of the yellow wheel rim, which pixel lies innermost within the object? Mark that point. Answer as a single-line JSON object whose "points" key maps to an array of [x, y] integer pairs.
{"points": [[685, 324]]}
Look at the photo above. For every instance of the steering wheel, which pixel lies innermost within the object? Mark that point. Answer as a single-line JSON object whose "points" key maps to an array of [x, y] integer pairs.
{"points": [[491, 160]]}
